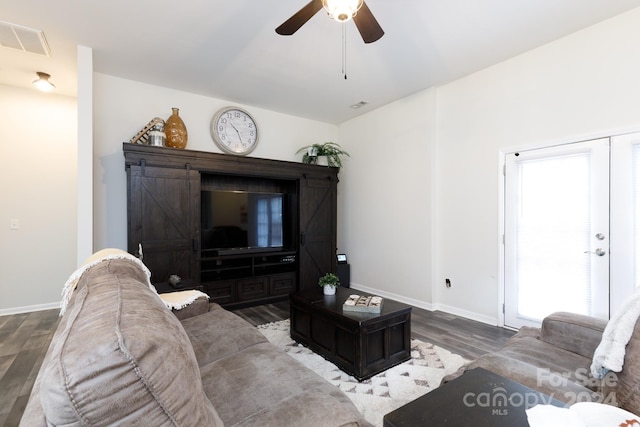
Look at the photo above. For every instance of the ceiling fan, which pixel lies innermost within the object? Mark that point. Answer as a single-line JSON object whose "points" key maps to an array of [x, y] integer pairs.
{"points": [[340, 10]]}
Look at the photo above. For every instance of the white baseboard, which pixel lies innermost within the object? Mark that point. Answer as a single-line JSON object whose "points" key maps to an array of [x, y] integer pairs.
{"points": [[429, 306], [400, 298], [471, 315], [29, 308]]}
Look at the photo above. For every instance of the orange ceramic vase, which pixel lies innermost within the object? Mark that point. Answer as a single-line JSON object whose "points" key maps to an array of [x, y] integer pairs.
{"points": [[175, 130]]}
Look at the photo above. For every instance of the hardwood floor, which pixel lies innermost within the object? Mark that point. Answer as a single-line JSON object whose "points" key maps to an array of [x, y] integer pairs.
{"points": [[24, 339], [465, 337]]}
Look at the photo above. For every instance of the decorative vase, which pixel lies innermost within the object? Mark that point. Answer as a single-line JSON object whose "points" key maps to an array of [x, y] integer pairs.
{"points": [[175, 130], [329, 290]]}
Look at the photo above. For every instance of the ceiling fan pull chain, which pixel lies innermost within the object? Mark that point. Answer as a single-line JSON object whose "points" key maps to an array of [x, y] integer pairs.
{"points": [[344, 50]]}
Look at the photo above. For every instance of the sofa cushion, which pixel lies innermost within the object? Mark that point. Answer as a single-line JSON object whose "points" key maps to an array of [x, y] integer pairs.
{"points": [[536, 364], [120, 357], [220, 333], [624, 386], [548, 357], [573, 332], [545, 381], [283, 391]]}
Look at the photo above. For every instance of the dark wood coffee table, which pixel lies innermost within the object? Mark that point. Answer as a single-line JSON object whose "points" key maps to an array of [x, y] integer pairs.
{"points": [[361, 344], [477, 398]]}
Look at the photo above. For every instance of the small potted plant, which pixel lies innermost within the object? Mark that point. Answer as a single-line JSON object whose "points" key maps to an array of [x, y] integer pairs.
{"points": [[329, 283], [316, 154]]}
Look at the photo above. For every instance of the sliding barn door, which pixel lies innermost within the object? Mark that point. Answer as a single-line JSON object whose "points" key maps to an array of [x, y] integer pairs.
{"points": [[164, 217], [318, 210]]}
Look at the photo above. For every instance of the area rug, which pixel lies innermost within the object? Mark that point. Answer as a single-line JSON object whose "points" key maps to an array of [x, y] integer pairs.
{"points": [[384, 392]]}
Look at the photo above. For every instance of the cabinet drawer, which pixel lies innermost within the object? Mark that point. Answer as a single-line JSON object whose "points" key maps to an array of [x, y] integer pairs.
{"points": [[282, 284], [221, 292], [253, 288]]}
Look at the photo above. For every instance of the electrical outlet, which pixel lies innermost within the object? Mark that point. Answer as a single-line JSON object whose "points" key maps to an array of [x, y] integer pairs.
{"points": [[15, 224], [447, 283]]}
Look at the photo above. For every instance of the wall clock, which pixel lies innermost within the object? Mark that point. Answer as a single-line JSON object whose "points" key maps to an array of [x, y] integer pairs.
{"points": [[234, 131]]}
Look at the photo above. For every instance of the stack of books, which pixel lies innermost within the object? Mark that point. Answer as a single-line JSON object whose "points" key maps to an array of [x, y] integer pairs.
{"points": [[363, 304]]}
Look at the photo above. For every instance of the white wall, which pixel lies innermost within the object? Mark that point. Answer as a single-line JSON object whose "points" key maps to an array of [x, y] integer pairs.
{"points": [[122, 107], [581, 86], [85, 154], [587, 84], [38, 173], [385, 199], [418, 200]]}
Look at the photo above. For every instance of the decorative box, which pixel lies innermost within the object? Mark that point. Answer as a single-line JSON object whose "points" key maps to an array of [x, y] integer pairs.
{"points": [[363, 304]]}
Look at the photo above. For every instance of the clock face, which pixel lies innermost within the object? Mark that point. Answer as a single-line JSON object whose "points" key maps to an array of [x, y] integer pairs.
{"points": [[234, 131]]}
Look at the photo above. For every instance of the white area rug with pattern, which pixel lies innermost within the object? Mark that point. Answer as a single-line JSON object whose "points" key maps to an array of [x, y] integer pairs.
{"points": [[384, 392]]}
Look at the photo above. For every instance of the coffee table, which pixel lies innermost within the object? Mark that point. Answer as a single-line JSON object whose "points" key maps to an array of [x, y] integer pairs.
{"points": [[361, 344], [477, 398]]}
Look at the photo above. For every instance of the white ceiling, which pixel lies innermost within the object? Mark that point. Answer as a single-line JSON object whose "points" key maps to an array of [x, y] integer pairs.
{"points": [[229, 49]]}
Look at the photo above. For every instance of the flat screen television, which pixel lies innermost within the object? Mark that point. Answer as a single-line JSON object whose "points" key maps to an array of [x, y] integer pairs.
{"points": [[243, 221]]}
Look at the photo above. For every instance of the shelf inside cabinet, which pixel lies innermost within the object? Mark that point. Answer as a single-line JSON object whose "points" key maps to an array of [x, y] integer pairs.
{"points": [[224, 267]]}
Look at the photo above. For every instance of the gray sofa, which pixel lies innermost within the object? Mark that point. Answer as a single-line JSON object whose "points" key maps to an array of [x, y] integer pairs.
{"points": [[120, 357], [556, 358]]}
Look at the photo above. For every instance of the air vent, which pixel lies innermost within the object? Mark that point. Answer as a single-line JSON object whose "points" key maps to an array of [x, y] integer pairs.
{"points": [[23, 38]]}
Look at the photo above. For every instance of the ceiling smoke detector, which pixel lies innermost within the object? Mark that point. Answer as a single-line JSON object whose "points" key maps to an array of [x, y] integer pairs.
{"points": [[359, 104], [23, 38]]}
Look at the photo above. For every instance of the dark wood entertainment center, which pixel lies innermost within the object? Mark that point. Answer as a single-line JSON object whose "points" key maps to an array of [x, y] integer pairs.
{"points": [[164, 188]]}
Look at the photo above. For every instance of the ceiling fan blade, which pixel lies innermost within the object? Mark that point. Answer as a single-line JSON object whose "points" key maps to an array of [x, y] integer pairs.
{"points": [[294, 23], [367, 24]]}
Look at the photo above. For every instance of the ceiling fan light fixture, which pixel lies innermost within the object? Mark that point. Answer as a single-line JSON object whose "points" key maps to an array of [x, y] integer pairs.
{"points": [[342, 10], [43, 83]]}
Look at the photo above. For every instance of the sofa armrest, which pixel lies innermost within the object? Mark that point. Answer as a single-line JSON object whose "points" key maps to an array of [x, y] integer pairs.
{"points": [[576, 333], [197, 307]]}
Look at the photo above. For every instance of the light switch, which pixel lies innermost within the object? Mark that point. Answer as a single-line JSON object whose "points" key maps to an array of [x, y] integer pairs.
{"points": [[15, 224]]}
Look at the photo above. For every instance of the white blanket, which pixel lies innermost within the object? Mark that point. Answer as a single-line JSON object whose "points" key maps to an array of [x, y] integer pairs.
{"points": [[609, 356], [582, 414], [181, 299]]}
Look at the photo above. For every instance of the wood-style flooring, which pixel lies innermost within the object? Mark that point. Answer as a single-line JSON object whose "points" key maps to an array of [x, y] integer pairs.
{"points": [[24, 339]]}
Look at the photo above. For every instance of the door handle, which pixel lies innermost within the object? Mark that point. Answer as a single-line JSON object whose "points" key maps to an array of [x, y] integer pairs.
{"points": [[599, 252]]}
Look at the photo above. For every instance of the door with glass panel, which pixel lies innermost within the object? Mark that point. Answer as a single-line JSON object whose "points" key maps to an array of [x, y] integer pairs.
{"points": [[557, 232], [625, 218]]}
